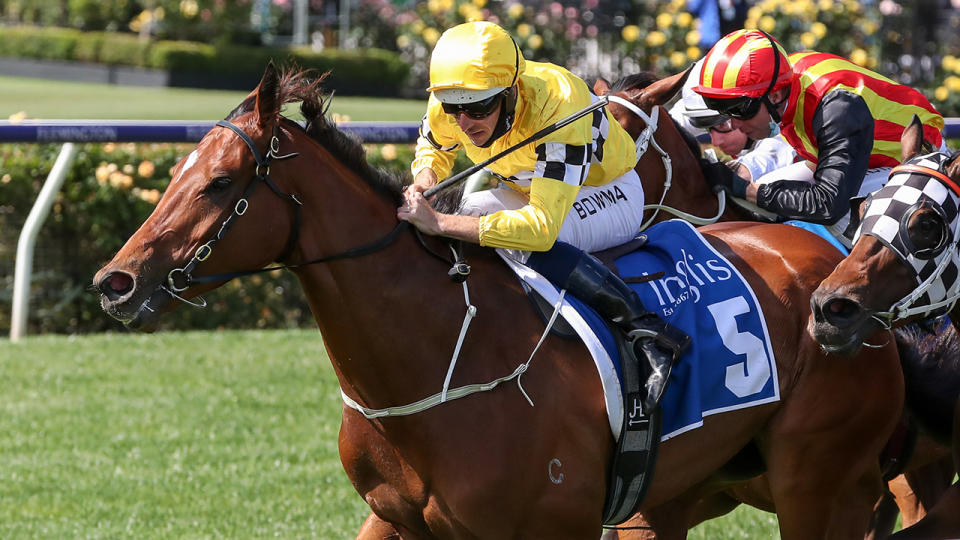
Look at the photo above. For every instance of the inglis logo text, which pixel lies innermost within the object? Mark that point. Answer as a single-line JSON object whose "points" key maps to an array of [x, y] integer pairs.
{"points": [[692, 274]]}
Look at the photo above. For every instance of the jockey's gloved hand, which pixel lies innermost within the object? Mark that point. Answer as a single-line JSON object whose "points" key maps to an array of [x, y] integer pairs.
{"points": [[721, 177]]}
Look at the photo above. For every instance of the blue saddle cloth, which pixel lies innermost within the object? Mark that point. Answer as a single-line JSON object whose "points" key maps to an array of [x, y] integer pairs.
{"points": [[730, 363], [820, 231]]}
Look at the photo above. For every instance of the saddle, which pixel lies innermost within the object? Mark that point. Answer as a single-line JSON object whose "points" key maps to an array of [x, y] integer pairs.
{"points": [[631, 468], [681, 277]]}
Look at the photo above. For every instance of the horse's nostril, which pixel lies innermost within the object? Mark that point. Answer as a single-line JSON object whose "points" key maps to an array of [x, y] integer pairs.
{"points": [[841, 311], [116, 285]]}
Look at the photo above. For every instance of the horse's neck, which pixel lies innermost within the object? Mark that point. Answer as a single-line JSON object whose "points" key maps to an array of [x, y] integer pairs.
{"points": [[688, 191], [381, 314]]}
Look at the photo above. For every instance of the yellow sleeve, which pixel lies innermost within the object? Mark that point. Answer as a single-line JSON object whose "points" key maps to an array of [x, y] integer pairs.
{"points": [[535, 226], [437, 144]]}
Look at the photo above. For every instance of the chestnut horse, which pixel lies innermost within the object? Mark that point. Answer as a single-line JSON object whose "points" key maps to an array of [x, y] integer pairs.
{"points": [[685, 191], [489, 465], [904, 266]]}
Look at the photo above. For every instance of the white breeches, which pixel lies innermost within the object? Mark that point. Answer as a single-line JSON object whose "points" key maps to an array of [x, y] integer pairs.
{"points": [[601, 217]]}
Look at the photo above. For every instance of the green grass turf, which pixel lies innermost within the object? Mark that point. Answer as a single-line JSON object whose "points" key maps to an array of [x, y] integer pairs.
{"points": [[187, 435], [47, 99]]}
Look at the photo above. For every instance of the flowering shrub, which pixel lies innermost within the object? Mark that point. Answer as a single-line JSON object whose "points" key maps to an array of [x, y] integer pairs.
{"points": [[109, 191], [841, 27], [665, 41], [652, 35]]}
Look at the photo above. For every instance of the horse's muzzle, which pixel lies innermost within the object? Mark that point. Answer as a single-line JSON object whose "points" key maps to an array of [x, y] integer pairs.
{"points": [[123, 300], [840, 324]]}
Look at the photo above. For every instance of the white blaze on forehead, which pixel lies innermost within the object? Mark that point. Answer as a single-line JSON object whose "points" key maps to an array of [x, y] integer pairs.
{"points": [[191, 160]]}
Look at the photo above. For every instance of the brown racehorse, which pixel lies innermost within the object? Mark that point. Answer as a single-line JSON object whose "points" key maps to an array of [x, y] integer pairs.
{"points": [[489, 465], [856, 301], [931, 469]]}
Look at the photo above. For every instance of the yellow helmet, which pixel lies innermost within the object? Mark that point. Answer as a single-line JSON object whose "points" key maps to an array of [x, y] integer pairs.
{"points": [[474, 61]]}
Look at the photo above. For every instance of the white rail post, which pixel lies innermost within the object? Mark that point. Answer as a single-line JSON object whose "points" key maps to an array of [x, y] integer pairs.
{"points": [[28, 236]]}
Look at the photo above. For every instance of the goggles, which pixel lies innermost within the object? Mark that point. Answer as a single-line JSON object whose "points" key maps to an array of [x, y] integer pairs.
{"points": [[477, 110], [740, 108], [722, 127], [709, 122]]}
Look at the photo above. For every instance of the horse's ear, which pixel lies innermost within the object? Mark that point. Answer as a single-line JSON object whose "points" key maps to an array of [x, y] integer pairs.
{"points": [[601, 87], [267, 95], [911, 141], [953, 169], [663, 90]]}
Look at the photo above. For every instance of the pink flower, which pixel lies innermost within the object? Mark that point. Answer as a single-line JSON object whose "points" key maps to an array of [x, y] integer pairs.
{"points": [[571, 12], [556, 9]]}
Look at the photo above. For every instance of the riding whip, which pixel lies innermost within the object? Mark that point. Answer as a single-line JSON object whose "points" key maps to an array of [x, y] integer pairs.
{"points": [[460, 176]]}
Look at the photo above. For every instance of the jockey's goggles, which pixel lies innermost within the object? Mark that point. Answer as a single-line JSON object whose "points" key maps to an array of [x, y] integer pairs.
{"points": [[743, 108], [722, 127], [710, 122], [477, 110]]}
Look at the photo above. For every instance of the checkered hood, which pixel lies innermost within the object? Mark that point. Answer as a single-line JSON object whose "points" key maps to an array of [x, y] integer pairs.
{"points": [[890, 206]]}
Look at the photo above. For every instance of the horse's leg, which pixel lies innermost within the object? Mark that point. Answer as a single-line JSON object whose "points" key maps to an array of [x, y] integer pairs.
{"points": [[375, 528], [885, 512], [822, 447], [377, 474], [943, 520], [917, 490], [671, 521]]}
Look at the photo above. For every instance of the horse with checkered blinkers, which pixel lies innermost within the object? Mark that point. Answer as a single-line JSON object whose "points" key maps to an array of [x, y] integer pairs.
{"points": [[904, 267]]}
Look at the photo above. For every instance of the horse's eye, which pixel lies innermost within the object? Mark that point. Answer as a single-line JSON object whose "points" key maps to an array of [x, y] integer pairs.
{"points": [[219, 184], [929, 224]]}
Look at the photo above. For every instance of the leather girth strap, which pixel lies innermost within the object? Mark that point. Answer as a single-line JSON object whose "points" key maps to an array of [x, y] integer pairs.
{"points": [[635, 453]]}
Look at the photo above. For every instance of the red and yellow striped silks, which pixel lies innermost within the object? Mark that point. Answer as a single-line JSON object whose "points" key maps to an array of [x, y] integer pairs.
{"points": [[891, 104]]}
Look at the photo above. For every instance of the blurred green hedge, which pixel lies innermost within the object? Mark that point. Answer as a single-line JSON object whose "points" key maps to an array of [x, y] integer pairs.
{"points": [[355, 71], [109, 192]]}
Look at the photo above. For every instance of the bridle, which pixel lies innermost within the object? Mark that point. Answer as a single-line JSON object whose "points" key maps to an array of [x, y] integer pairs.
{"points": [[180, 279], [934, 268], [643, 140]]}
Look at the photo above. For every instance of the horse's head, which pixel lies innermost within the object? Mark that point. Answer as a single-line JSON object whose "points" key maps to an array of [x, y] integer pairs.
{"points": [[211, 219], [904, 261], [636, 102], [643, 91]]}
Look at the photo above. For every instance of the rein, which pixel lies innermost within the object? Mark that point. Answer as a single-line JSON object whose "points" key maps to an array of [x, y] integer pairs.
{"points": [[181, 279], [643, 140]]}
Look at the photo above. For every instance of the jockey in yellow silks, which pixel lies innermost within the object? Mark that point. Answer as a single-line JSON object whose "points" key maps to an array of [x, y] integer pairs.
{"points": [[844, 119], [573, 191]]}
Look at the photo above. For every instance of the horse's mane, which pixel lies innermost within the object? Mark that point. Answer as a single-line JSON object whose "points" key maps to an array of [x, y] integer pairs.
{"points": [[305, 86]]}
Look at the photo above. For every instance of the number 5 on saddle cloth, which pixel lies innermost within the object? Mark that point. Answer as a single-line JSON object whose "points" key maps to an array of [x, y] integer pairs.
{"points": [[729, 364]]}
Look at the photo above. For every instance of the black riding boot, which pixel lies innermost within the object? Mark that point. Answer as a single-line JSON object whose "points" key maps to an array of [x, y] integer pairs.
{"points": [[656, 345]]}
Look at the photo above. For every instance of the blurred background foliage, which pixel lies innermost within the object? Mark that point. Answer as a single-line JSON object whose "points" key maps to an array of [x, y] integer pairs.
{"points": [[914, 42], [112, 188]]}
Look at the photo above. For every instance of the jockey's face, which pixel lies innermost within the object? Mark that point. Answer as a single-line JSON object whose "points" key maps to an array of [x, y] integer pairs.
{"points": [[731, 141], [756, 128], [479, 130]]}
